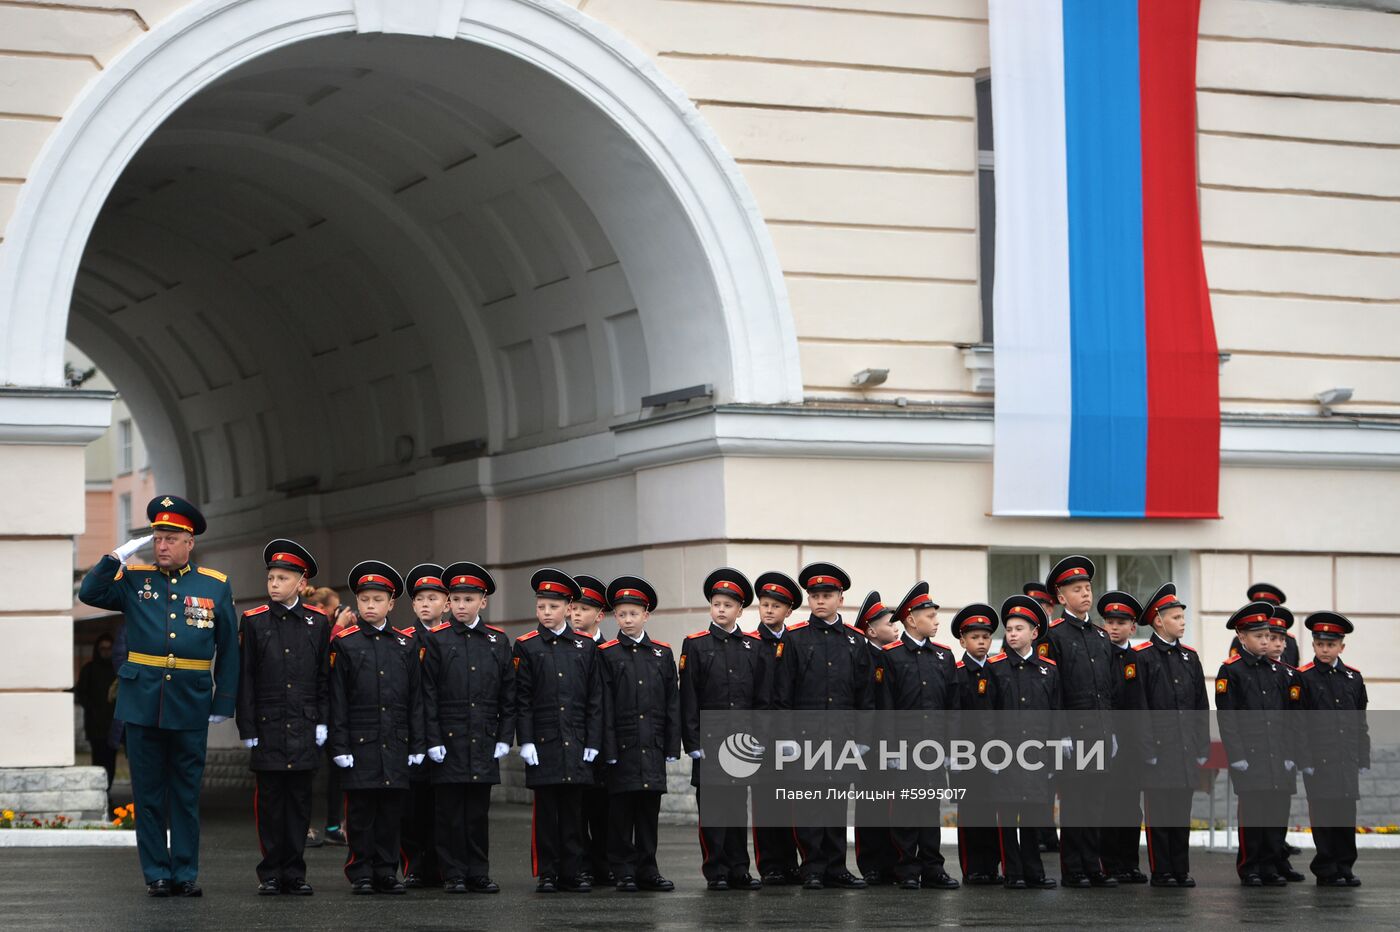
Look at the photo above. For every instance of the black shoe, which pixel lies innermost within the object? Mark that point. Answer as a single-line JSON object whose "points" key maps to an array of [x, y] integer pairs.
{"points": [[391, 885], [626, 885], [656, 882], [775, 879], [1251, 880], [314, 839], [1292, 851], [483, 885], [1336, 880], [413, 882], [719, 883], [547, 885], [158, 888], [334, 836], [1014, 883], [1292, 876], [1101, 879], [1185, 880], [876, 879], [1076, 882], [298, 886], [576, 885], [186, 888], [270, 887], [845, 880], [909, 883], [454, 885], [1132, 875], [1274, 880], [744, 882], [1164, 880], [813, 883], [1044, 883], [1352, 879], [362, 887], [793, 876], [938, 882], [586, 875]]}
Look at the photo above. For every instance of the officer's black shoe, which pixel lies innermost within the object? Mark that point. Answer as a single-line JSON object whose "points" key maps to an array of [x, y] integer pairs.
{"points": [[1164, 880], [298, 886], [719, 883], [813, 883], [1251, 880], [626, 885], [1014, 883], [1185, 880], [158, 888], [270, 887], [576, 885], [391, 885], [454, 885], [1336, 880], [1352, 879], [1077, 882], [744, 882], [909, 883], [845, 880], [186, 888], [775, 879], [483, 885], [1044, 883], [547, 885], [1292, 876], [334, 836], [362, 887], [1274, 880], [413, 882], [939, 882], [1132, 875], [655, 882], [1100, 879]]}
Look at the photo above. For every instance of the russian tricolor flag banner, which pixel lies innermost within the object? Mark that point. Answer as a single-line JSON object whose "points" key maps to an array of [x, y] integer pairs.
{"points": [[1107, 374]]}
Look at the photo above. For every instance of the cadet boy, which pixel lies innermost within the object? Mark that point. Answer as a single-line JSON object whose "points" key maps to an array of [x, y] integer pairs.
{"points": [[469, 720], [586, 616], [284, 713], [376, 726], [774, 847], [426, 588], [642, 735], [1121, 831], [875, 850], [1293, 684], [721, 669], [559, 727], [179, 621], [1340, 744], [979, 853], [1049, 837], [920, 675]]}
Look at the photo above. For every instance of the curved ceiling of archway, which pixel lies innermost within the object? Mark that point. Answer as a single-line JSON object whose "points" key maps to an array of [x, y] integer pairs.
{"points": [[358, 250]]}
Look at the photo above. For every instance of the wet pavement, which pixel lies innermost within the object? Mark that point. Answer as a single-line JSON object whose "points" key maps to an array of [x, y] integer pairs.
{"points": [[101, 889]]}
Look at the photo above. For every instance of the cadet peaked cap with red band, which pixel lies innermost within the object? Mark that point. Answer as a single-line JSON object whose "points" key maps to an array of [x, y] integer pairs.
{"points": [[173, 513], [1266, 592], [1025, 608], [1282, 618], [550, 583], [1118, 604], [631, 590], [375, 574], [1037, 591], [592, 591], [871, 610], [780, 586], [286, 554], [916, 599], [1164, 598], [1070, 570], [1328, 626], [824, 577], [978, 616], [1253, 617], [426, 577], [468, 577], [728, 581]]}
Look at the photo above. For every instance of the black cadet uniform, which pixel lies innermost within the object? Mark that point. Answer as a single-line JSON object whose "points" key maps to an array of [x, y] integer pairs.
{"points": [[642, 734], [774, 846], [825, 666], [1260, 748], [1084, 656], [1339, 750], [284, 714], [593, 591], [875, 849], [376, 722], [559, 719], [416, 838], [720, 671], [979, 851], [1030, 687], [1172, 689], [469, 721], [1120, 834], [1036, 589], [919, 678], [1267, 592]]}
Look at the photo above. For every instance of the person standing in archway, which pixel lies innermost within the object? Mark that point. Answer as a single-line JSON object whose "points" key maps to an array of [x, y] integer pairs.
{"points": [[180, 621], [94, 693]]}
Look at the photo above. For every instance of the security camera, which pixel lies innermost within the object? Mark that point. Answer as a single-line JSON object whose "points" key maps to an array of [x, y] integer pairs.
{"points": [[866, 378], [1332, 397]]}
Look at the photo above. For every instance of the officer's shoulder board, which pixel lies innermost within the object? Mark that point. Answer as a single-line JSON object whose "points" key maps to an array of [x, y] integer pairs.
{"points": [[256, 611], [527, 635], [998, 657], [892, 645], [141, 567], [603, 646], [1305, 667], [798, 625], [1143, 646], [1232, 658], [406, 632], [445, 624], [221, 577], [346, 631], [315, 608], [1047, 660], [485, 625], [698, 634]]}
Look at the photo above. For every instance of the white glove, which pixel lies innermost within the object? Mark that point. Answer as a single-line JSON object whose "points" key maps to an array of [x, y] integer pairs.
{"points": [[590, 755], [672, 760], [344, 760], [216, 719], [697, 754], [250, 742], [415, 759], [438, 753], [1200, 762], [529, 755], [130, 547], [1288, 765], [502, 749], [1114, 753], [613, 761], [1152, 762], [1308, 771], [1240, 765], [321, 732]]}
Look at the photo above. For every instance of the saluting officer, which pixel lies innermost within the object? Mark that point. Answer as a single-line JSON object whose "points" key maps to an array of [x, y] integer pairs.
{"points": [[586, 616], [875, 850], [721, 669], [642, 734], [979, 851], [1172, 688], [376, 726], [179, 621], [1340, 749], [1085, 662], [284, 712], [1120, 834], [1282, 618], [469, 721], [774, 848], [825, 666], [428, 592], [559, 727], [920, 675]]}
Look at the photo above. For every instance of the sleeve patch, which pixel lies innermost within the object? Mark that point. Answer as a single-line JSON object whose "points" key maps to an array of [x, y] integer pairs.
{"points": [[1043, 650], [1222, 685], [778, 654], [1295, 692], [879, 674], [1130, 671], [683, 656]]}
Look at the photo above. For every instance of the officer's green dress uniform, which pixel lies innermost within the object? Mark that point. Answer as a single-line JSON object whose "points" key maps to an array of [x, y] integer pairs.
{"points": [[177, 623]]}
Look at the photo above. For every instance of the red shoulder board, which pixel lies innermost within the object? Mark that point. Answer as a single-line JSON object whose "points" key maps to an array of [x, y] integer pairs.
{"points": [[255, 611], [1056, 622], [662, 644], [960, 664], [349, 629], [798, 624], [1305, 668], [314, 608], [940, 646], [893, 644], [1232, 658], [445, 624], [853, 629], [697, 634], [406, 632], [1186, 647], [527, 635], [1000, 656], [1049, 661], [601, 646], [752, 634], [493, 628], [1143, 646], [1352, 669]]}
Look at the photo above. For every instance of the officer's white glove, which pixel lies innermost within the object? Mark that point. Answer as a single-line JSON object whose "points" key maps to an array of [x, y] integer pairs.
{"points": [[250, 742], [1288, 765], [502, 749], [697, 754], [130, 547], [672, 760], [590, 755], [1240, 765], [321, 732], [344, 760], [438, 753], [1200, 762], [415, 759], [1308, 771], [216, 719], [529, 755]]}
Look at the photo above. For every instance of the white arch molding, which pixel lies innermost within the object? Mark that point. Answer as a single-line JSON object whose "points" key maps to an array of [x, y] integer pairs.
{"points": [[146, 83]]}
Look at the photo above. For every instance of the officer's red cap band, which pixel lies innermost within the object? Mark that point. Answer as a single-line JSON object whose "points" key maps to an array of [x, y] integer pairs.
{"points": [[370, 579], [1120, 608], [174, 520], [727, 585], [1327, 628], [823, 581], [554, 587], [875, 609], [780, 590], [476, 581], [594, 594], [1071, 573], [289, 558]]}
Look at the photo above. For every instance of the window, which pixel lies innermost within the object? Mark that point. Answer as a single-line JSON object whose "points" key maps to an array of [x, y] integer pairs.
{"points": [[1138, 574], [124, 515], [986, 204], [124, 444]]}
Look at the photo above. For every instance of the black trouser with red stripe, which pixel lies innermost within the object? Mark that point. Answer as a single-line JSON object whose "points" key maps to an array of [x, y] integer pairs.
{"points": [[1168, 817], [1121, 834], [372, 833], [1020, 856], [556, 832], [633, 818], [461, 829], [979, 851], [595, 827], [1334, 833], [774, 847], [724, 849], [1263, 814], [282, 810], [416, 832]]}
